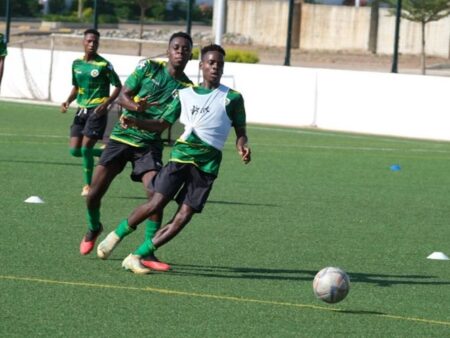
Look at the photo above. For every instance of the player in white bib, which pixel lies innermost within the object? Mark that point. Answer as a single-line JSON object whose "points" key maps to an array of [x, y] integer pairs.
{"points": [[208, 112]]}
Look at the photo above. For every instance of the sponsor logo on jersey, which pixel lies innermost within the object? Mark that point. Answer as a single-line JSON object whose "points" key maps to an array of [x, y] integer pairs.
{"points": [[200, 110]]}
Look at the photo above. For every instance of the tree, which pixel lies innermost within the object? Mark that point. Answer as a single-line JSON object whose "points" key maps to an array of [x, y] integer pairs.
{"points": [[374, 21], [143, 5], [423, 12], [80, 9]]}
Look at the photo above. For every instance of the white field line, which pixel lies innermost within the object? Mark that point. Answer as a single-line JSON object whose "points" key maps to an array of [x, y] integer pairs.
{"points": [[326, 147], [346, 135], [299, 145], [213, 297], [35, 135]]}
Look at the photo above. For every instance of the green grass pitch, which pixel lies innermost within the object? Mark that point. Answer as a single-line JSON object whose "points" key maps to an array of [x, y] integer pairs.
{"points": [[244, 267]]}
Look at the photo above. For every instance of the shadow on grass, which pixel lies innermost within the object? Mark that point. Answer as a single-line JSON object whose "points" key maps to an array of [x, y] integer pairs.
{"points": [[383, 280], [143, 198]]}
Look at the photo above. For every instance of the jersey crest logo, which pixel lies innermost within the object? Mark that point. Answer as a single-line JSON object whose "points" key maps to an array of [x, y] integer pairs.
{"points": [[94, 72]]}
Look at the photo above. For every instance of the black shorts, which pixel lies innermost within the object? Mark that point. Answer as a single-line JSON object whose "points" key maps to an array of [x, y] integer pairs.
{"points": [[87, 123], [142, 160], [184, 182]]}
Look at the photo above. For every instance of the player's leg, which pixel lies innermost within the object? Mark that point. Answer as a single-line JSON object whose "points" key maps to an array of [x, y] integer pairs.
{"points": [[75, 145], [76, 133], [152, 225], [93, 131], [111, 164], [191, 198], [87, 154], [133, 261], [165, 186], [146, 162], [168, 183], [170, 230], [145, 168], [127, 226]]}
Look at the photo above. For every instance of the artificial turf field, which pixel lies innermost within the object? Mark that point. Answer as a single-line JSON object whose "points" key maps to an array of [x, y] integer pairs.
{"points": [[244, 267]]}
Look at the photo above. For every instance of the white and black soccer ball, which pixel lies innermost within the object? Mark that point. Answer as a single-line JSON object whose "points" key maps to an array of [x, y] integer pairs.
{"points": [[331, 284]]}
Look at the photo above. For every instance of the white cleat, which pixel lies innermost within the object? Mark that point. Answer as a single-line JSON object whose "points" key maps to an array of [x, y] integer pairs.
{"points": [[85, 190], [106, 247], [133, 264]]}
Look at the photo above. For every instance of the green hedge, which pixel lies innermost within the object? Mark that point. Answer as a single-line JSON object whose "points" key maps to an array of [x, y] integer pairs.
{"points": [[233, 55]]}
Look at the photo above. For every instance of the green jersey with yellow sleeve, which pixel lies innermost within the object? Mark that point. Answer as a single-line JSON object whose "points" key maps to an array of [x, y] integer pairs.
{"points": [[93, 79], [150, 79]]}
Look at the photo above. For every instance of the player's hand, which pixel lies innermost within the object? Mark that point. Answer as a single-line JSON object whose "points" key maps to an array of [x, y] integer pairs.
{"points": [[144, 103], [245, 153], [64, 107], [101, 110], [128, 122]]}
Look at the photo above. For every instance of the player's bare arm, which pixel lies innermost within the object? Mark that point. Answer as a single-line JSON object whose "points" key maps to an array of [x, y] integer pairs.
{"points": [[126, 100], [242, 146], [103, 108], [72, 96], [151, 125]]}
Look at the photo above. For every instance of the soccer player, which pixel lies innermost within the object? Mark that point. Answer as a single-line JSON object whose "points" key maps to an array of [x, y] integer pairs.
{"points": [[3, 53], [146, 94], [92, 76], [208, 113]]}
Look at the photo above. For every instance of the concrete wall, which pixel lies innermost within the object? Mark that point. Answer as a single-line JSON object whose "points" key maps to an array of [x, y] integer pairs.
{"points": [[335, 27], [332, 28], [265, 21], [375, 103]]}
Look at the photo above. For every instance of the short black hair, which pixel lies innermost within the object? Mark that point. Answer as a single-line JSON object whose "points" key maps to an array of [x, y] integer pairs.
{"points": [[181, 35], [212, 48], [92, 31]]}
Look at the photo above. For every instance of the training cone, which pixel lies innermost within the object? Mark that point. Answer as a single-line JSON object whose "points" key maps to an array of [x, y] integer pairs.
{"points": [[395, 167], [34, 199], [438, 255]]}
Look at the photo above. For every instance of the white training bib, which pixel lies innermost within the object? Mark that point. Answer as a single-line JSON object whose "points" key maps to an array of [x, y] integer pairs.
{"points": [[206, 115]]}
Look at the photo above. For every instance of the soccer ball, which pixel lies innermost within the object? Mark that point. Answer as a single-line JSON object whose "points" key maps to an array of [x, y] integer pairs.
{"points": [[331, 284]]}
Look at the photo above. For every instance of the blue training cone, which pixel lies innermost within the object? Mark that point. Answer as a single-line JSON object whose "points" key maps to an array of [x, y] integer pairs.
{"points": [[395, 167]]}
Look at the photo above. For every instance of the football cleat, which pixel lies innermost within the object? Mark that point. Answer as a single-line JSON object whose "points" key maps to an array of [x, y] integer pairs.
{"points": [[133, 264], [154, 263], [88, 241], [106, 247], [85, 190]]}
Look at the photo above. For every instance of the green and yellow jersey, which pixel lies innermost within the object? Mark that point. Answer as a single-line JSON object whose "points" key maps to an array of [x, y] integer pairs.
{"points": [[150, 78], [93, 79], [3, 49], [199, 153]]}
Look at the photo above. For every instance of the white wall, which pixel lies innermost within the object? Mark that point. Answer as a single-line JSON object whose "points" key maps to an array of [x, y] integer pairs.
{"points": [[366, 102]]}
